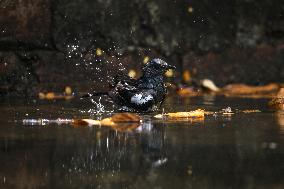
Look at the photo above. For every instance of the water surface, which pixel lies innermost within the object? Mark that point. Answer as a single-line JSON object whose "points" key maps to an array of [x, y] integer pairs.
{"points": [[238, 151]]}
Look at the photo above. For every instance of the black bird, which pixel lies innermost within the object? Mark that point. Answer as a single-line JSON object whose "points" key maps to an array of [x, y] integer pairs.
{"points": [[142, 95]]}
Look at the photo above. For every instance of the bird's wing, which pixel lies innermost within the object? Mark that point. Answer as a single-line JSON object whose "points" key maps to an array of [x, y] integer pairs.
{"points": [[133, 97], [122, 78]]}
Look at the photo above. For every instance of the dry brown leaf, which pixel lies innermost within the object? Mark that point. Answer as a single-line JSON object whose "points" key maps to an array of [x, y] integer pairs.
{"points": [[186, 92], [186, 76], [115, 121], [176, 115], [53, 96], [242, 89], [50, 95], [210, 85]]}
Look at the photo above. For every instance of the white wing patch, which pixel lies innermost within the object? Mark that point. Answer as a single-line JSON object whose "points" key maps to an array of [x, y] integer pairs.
{"points": [[140, 99]]}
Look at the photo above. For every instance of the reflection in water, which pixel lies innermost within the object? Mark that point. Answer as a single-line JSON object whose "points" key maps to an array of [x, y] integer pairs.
{"points": [[245, 151], [209, 99], [280, 119]]}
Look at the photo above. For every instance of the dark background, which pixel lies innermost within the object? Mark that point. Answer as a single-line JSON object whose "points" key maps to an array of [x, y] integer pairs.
{"points": [[46, 45]]}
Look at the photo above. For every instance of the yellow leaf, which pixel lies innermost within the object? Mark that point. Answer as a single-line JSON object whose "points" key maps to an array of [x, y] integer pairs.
{"points": [[50, 95], [192, 114]]}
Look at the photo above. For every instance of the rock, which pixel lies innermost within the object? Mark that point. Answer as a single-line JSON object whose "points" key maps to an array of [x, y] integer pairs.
{"points": [[254, 66], [17, 75], [25, 24], [227, 43]]}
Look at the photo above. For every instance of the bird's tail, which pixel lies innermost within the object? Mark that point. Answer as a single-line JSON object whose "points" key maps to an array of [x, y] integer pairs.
{"points": [[94, 94]]}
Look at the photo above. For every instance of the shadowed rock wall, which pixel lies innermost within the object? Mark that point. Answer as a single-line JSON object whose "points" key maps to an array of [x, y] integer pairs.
{"points": [[48, 44]]}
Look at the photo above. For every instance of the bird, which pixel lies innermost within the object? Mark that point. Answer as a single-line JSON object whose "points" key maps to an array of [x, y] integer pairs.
{"points": [[144, 94]]}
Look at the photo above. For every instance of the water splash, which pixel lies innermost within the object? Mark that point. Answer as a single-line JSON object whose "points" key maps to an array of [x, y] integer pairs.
{"points": [[98, 110], [93, 57]]}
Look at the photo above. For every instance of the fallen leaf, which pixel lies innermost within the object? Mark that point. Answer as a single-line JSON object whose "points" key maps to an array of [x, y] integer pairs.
{"points": [[117, 121], [210, 85], [176, 115], [185, 92], [50, 96], [242, 89], [186, 76]]}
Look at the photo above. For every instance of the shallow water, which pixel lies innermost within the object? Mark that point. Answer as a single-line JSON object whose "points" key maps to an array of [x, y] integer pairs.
{"points": [[238, 151]]}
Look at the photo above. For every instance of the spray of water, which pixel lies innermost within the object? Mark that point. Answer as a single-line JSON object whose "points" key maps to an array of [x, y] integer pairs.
{"points": [[96, 59]]}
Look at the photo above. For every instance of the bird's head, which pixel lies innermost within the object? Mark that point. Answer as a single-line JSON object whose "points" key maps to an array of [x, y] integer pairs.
{"points": [[156, 67]]}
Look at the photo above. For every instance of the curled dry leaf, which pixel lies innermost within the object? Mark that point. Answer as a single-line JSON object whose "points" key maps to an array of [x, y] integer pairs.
{"points": [[53, 96], [242, 89], [114, 121], [210, 85], [187, 92], [177, 115]]}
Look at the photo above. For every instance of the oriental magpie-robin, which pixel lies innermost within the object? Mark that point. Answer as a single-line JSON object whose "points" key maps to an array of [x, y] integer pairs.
{"points": [[142, 95]]}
